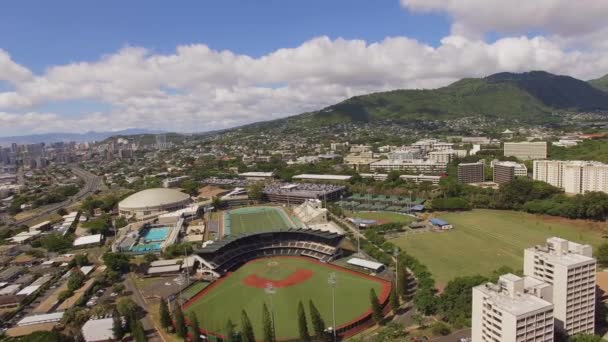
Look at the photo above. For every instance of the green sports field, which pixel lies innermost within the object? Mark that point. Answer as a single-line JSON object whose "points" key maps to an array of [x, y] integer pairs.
{"points": [[226, 299], [484, 240], [381, 217], [255, 219]]}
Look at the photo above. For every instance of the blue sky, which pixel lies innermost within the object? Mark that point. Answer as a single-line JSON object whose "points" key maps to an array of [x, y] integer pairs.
{"points": [[46, 33], [188, 66]]}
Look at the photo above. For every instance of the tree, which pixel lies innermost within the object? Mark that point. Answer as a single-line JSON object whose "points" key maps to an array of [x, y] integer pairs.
{"points": [[149, 258], [247, 328], [585, 338], [403, 282], [196, 329], [165, 317], [120, 222], [230, 331], [302, 323], [180, 324], [62, 212], [318, 324], [376, 308], [45, 336], [440, 328], [126, 307], [601, 254], [190, 187], [55, 242], [256, 191], [116, 261], [75, 280], [456, 299], [137, 330], [117, 328], [267, 324], [394, 299]]}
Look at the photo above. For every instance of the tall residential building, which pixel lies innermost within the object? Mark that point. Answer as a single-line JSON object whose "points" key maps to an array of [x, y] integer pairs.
{"points": [[506, 171], [471, 172], [442, 156], [575, 177], [570, 268], [515, 309], [526, 150]]}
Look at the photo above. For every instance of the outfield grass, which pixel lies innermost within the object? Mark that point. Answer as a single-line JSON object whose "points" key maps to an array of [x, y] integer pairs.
{"points": [[255, 219], [381, 217], [484, 240], [226, 300]]}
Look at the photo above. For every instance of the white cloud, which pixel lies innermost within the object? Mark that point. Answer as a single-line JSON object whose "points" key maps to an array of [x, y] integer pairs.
{"points": [[198, 89], [560, 17]]}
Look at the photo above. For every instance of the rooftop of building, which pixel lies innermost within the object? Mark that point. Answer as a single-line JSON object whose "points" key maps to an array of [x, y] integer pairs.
{"points": [[156, 197]]}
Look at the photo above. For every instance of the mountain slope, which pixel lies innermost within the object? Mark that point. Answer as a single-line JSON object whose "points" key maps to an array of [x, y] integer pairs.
{"points": [[531, 96], [600, 83]]}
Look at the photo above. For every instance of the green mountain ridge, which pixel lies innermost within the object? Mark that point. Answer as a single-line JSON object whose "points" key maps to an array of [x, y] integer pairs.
{"points": [[531, 96], [600, 83]]}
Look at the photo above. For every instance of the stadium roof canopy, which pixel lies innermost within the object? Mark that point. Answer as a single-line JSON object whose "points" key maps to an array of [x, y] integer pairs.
{"points": [[151, 198], [217, 245]]}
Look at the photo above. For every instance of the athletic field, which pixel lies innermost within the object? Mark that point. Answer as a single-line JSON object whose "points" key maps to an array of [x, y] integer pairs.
{"points": [[295, 279], [255, 220], [484, 240], [381, 216]]}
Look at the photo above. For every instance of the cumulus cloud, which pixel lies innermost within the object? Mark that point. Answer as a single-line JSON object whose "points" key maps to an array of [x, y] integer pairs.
{"points": [[560, 17], [197, 88]]}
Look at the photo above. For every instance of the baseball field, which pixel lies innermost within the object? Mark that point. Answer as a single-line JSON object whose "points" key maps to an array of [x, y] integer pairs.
{"points": [[293, 279], [484, 240], [255, 219]]}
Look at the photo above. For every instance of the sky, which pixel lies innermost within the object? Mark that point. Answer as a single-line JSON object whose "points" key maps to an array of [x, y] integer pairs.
{"points": [[75, 66]]}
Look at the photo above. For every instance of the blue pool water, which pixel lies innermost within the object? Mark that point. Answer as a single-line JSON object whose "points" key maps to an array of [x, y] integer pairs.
{"points": [[146, 248], [156, 234]]}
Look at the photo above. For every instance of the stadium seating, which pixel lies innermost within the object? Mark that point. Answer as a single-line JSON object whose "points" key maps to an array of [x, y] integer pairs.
{"points": [[225, 255]]}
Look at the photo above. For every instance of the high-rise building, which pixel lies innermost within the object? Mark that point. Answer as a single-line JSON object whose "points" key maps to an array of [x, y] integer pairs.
{"points": [[575, 177], [570, 268], [515, 309], [526, 150], [471, 172], [506, 171]]}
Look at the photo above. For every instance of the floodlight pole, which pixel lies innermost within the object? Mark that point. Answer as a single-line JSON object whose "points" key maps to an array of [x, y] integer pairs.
{"points": [[396, 255], [332, 282], [270, 291]]}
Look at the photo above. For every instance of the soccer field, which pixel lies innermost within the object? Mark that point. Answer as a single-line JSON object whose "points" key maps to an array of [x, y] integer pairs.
{"points": [[255, 220], [484, 240], [296, 279]]}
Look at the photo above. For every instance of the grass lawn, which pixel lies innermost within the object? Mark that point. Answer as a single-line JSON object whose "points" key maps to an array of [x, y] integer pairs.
{"points": [[226, 300], [194, 289], [484, 240], [381, 217], [255, 219]]}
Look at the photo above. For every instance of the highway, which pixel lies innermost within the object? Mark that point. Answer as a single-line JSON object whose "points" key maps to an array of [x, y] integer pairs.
{"points": [[91, 183]]}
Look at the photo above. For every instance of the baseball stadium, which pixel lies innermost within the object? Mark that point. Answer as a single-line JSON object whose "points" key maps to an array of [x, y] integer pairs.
{"points": [[281, 268]]}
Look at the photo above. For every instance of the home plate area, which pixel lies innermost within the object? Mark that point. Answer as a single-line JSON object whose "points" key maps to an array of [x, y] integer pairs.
{"points": [[277, 275]]}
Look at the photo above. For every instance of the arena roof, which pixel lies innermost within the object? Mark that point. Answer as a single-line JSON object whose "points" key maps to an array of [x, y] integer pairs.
{"points": [[151, 198]]}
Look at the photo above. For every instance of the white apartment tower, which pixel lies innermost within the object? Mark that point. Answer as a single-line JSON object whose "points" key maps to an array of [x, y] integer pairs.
{"points": [[513, 310], [526, 150], [570, 268], [575, 177]]}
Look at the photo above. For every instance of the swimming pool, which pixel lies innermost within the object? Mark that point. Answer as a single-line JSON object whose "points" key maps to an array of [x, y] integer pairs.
{"points": [[155, 234], [146, 248]]}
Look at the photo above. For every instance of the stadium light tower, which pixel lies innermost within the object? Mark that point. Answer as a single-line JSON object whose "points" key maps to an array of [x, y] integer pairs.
{"points": [[332, 282], [271, 291], [396, 255]]}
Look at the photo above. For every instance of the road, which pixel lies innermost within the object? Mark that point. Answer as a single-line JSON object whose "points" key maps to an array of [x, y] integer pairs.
{"points": [[91, 183], [149, 328]]}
